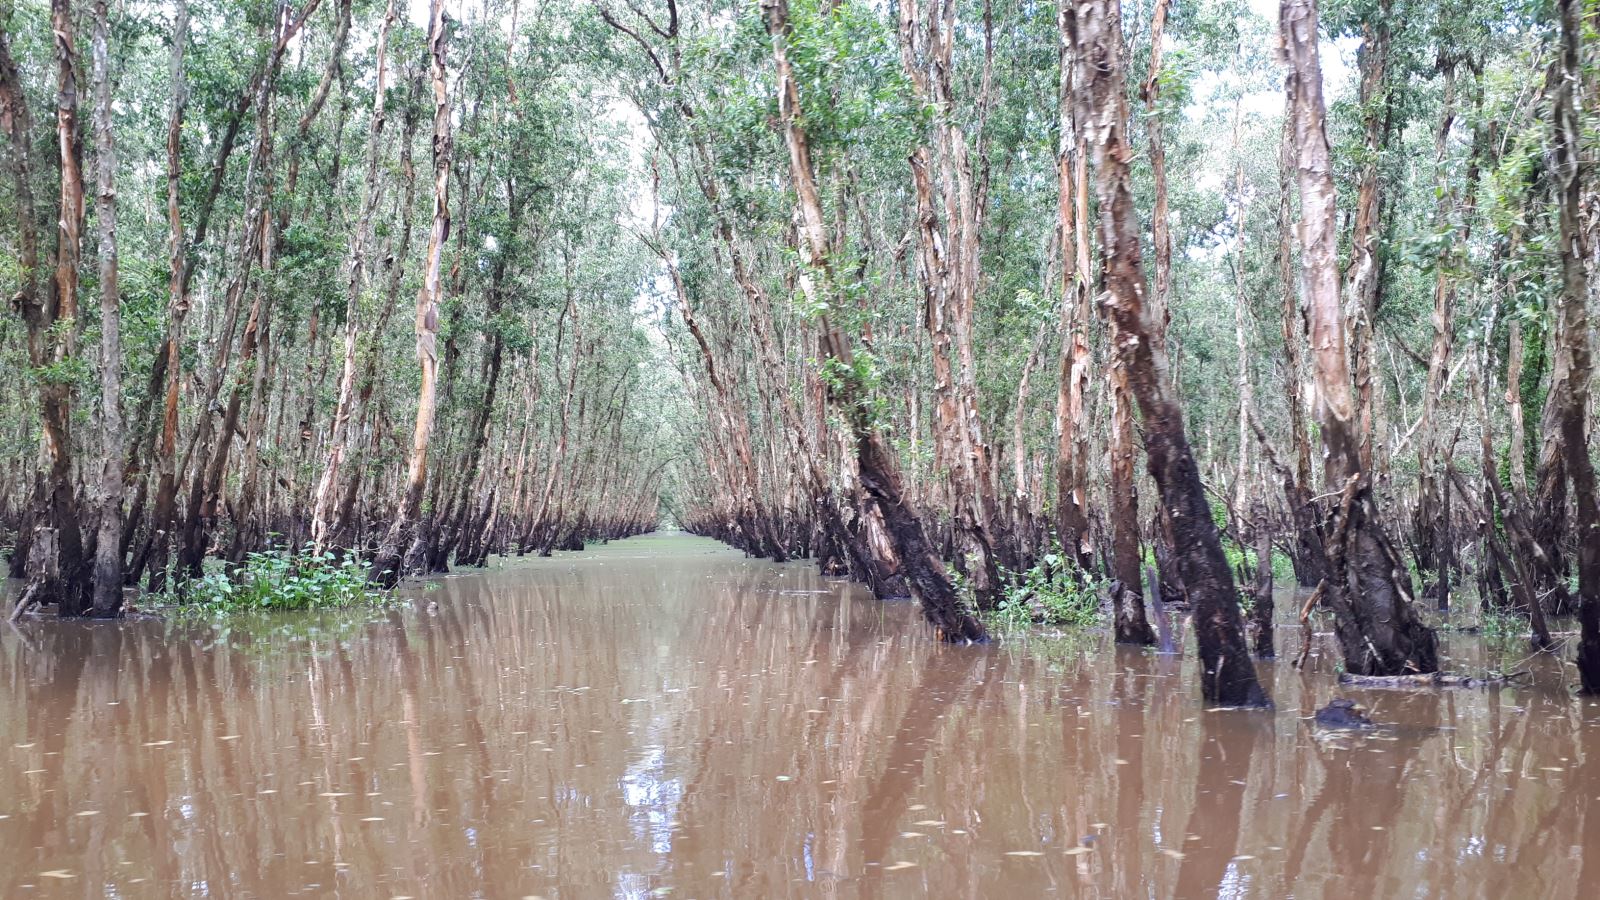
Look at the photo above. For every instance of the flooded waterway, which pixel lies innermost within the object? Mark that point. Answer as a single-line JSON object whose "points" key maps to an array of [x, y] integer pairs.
{"points": [[663, 717]]}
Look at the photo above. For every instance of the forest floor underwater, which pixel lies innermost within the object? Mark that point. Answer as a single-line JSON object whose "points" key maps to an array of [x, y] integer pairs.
{"points": [[661, 715]]}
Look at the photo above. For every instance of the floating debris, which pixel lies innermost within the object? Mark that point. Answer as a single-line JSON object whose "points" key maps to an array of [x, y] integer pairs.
{"points": [[897, 866]]}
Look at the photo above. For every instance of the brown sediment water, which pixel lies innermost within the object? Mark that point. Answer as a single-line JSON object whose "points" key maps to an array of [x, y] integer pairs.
{"points": [[661, 716]]}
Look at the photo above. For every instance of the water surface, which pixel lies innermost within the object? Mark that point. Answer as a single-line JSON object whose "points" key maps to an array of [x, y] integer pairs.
{"points": [[661, 716]]}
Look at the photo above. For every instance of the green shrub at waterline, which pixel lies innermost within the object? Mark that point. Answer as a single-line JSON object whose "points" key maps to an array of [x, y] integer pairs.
{"points": [[1048, 594], [286, 580]]}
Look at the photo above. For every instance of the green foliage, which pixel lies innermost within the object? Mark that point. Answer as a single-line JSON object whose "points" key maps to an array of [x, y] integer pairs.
{"points": [[859, 379], [69, 370], [1242, 562], [1050, 594], [845, 53], [285, 580], [1500, 624]]}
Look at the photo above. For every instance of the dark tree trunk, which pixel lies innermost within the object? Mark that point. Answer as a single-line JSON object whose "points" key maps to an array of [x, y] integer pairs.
{"points": [[923, 569], [1095, 30], [1366, 583], [1573, 353]]}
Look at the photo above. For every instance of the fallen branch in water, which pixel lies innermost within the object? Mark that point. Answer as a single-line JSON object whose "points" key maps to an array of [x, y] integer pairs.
{"points": [[1428, 679], [1305, 623]]}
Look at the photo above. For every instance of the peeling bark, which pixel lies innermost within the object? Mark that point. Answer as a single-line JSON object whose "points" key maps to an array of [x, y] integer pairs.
{"points": [[1366, 584], [1229, 676]]}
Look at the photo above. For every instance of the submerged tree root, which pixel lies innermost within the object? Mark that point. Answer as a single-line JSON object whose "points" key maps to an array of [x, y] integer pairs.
{"points": [[1429, 680]]}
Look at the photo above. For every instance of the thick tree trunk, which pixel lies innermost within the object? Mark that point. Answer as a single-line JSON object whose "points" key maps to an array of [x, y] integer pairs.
{"points": [[1309, 561], [949, 269], [1366, 583], [108, 544], [1363, 277], [1127, 599], [61, 327], [1072, 522], [1072, 440], [1095, 28]]}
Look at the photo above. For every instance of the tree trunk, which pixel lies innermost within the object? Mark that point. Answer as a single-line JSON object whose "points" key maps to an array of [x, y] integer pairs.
{"points": [[1160, 228], [1309, 560], [926, 574], [323, 508], [1072, 203], [386, 567], [1572, 349], [1511, 509], [108, 544], [1431, 524], [1095, 28], [1127, 599], [948, 267], [1363, 276], [15, 118], [60, 328], [1366, 584], [164, 510], [1261, 615]]}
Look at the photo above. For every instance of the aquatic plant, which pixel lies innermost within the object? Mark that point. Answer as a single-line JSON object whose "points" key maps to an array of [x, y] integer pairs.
{"points": [[1498, 624], [1049, 593], [285, 580]]}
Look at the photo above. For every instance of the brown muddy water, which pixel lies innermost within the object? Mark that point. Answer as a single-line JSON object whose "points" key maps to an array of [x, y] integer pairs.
{"points": [[662, 717]]}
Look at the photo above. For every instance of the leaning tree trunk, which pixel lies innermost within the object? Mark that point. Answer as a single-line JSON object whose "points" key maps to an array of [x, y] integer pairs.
{"points": [[922, 567], [1366, 584], [1095, 30]]}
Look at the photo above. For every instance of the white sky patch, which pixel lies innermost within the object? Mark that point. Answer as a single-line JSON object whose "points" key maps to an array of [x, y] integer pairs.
{"points": [[1339, 74]]}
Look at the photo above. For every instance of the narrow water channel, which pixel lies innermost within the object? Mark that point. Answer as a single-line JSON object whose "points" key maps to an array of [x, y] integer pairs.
{"points": [[661, 716]]}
